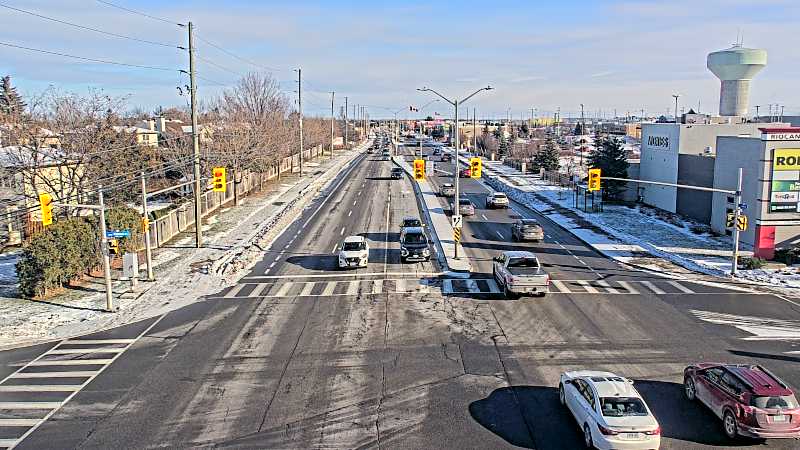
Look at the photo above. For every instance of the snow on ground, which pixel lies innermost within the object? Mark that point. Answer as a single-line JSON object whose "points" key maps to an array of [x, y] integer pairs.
{"points": [[626, 233], [183, 274]]}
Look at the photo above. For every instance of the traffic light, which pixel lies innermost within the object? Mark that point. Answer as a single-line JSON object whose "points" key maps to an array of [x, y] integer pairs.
{"points": [[46, 204], [419, 169], [218, 184], [594, 179], [729, 220], [113, 247], [475, 167]]}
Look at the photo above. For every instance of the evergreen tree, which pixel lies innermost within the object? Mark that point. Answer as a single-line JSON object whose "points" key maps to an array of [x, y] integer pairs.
{"points": [[498, 133], [11, 103], [547, 157], [578, 129], [504, 147], [524, 129], [612, 160]]}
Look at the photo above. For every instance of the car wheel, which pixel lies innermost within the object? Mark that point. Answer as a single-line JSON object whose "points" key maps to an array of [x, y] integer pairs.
{"points": [[562, 395], [729, 425], [689, 389], [587, 436], [507, 293]]}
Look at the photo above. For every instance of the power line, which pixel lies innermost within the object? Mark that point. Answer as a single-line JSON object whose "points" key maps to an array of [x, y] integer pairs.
{"points": [[88, 28], [102, 61], [208, 61], [140, 13], [233, 55]]}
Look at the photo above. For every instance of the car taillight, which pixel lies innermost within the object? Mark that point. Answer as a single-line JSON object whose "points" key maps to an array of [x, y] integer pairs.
{"points": [[744, 410], [655, 432], [607, 431], [547, 280]]}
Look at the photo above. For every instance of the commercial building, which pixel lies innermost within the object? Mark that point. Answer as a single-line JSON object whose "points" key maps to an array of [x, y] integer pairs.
{"points": [[770, 164]]}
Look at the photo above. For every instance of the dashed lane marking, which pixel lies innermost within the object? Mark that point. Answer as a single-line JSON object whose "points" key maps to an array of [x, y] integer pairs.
{"points": [[500, 234]]}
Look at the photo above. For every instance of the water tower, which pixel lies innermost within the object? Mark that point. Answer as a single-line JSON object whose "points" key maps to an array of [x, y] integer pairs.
{"points": [[736, 67]]}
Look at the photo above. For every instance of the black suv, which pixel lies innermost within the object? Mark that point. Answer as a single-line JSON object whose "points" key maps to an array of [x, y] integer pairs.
{"points": [[397, 173]]}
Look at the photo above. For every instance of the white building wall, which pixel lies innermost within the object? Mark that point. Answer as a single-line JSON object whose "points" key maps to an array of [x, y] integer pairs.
{"points": [[659, 162]]}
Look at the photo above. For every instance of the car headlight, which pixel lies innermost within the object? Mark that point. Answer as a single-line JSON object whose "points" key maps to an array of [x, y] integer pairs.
{"points": [[404, 251]]}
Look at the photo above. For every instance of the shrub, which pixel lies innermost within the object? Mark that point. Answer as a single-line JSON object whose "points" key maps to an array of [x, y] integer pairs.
{"points": [[124, 218], [752, 263]]}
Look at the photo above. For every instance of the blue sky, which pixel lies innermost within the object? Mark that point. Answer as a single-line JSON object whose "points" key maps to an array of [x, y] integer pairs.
{"points": [[623, 55]]}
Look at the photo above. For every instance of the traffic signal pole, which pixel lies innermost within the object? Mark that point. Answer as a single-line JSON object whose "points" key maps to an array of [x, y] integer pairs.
{"points": [[148, 251], [736, 213], [104, 250], [198, 211]]}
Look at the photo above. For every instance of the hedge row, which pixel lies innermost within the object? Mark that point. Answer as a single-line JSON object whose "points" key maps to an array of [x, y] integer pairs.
{"points": [[69, 249]]}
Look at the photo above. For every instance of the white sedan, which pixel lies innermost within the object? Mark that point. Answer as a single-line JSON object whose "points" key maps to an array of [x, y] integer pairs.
{"points": [[609, 410], [354, 252]]}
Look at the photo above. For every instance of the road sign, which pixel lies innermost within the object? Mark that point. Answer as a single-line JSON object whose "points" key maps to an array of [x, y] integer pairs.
{"points": [[457, 220], [743, 206], [118, 234], [457, 234]]}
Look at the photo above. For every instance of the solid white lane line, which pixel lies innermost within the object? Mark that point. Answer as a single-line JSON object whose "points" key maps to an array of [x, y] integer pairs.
{"points": [[345, 275], [78, 351], [235, 291], [29, 405], [284, 289], [309, 286], [561, 286], [500, 234], [329, 287], [652, 287], [69, 362], [352, 288], [42, 388], [681, 287], [341, 233], [589, 288], [386, 236], [628, 287], [97, 341], [377, 286], [604, 284], [76, 374]]}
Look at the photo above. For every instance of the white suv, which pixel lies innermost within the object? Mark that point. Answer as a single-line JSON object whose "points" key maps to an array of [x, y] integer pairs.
{"points": [[496, 200], [609, 410], [354, 252]]}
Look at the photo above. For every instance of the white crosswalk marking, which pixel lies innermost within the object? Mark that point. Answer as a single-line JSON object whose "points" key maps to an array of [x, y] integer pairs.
{"points": [[607, 287], [307, 289], [652, 287], [29, 405], [377, 286], [40, 388], [681, 287], [352, 288], [97, 341], [329, 288], [259, 290], [400, 286], [560, 286], [628, 287], [76, 374], [70, 362], [284, 289], [235, 290], [80, 351], [18, 422], [589, 288]]}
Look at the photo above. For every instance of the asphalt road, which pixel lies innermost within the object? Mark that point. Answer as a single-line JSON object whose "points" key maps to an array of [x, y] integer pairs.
{"points": [[302, 355]]}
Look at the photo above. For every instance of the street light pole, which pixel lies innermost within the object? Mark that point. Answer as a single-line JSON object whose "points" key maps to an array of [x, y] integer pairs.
{"points": [[455, 103], [676, 97]]}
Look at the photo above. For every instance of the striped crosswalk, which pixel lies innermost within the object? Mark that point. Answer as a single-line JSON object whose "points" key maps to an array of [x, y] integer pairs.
{"points": [[605, 287], [333, 288], [37, 389]]}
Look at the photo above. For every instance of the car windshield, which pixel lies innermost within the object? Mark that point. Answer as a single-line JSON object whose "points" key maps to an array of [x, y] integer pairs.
{"points": [[524, 262], [415, 238], [412, 223], [354, 246], [774, 402], [464, 202], [499, 195], [530, 226], [622, 406]]}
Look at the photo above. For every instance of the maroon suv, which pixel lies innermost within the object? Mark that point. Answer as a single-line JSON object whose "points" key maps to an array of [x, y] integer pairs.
{"points": [[750, 400]]}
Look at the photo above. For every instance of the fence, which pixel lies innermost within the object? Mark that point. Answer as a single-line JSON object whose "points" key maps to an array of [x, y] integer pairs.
{"points": [[182, 218]]}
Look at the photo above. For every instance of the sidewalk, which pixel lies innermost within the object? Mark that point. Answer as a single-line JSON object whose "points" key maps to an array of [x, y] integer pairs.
{"points": [[233, 240], [636, 235]]}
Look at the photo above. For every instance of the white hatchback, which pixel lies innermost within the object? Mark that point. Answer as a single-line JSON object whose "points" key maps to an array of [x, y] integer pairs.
{"points": [[609, 410]]}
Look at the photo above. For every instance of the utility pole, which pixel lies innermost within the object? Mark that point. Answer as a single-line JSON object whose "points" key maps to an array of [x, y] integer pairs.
{"points": [[474, 132], [198, 212], [583, 132], [737, 212], [333, 94], [757, 106], [300, 113], [104, 250], [781, 119], [346, 125], [146, 228], [676, 97]]}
